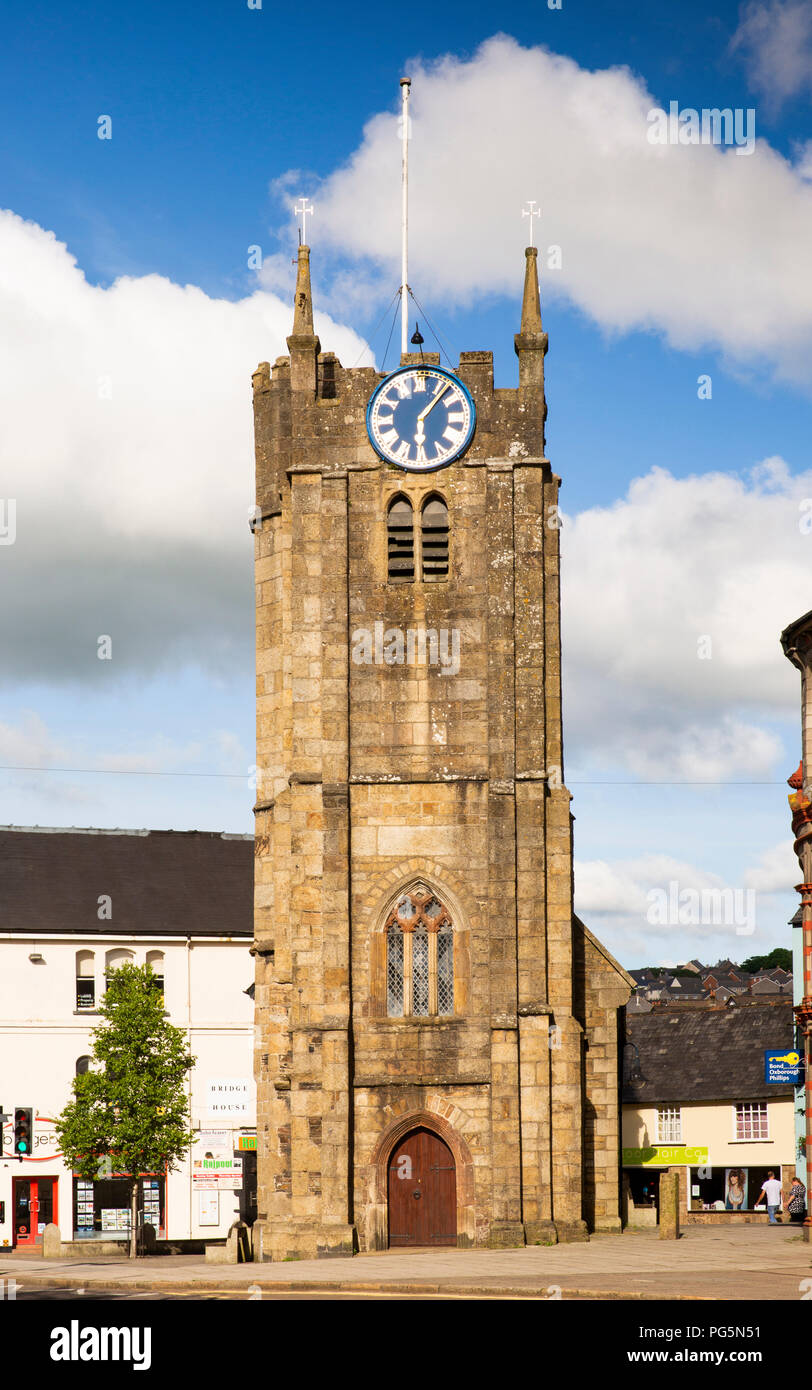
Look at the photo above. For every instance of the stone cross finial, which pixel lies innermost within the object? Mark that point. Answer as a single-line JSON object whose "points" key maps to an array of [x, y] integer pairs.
{"points": [[531, 211], [305, 211]]}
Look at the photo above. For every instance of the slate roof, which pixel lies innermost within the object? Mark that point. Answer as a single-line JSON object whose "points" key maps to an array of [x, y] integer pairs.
{"points": [[766, 986], [701, 1053], [688, 987], [161, 882], [731, 982]]}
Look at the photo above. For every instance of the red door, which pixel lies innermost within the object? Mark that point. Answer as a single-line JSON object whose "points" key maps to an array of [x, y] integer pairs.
{"points": [[422, 1192], [34, 1202]]}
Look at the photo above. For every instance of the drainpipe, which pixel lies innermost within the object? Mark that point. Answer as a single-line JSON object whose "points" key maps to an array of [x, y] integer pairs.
{"points": [[189, 1074]]}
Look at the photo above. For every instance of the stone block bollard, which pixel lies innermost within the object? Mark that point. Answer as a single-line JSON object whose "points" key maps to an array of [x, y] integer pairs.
{"points": [[51, 1242], [669, 1206], [237, 1249]]}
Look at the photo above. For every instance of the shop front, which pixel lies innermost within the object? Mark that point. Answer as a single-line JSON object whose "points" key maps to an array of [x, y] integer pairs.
{"points": [[642, 1169], [102, 1208], [736, 1190]]}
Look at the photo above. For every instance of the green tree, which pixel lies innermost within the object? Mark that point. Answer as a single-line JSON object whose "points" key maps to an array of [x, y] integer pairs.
{"points": [[781, 956], [131, 1106]]}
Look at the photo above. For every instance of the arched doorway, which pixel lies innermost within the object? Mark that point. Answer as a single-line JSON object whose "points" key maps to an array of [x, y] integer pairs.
{"points": [[422, 1191]]}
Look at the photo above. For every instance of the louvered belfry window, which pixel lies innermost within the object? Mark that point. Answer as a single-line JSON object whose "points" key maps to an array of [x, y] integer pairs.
{"points": [[419, 956], [400, 541], [434, 539]]}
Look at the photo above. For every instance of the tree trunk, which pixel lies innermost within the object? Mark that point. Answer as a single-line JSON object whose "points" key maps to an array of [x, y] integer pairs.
{"points": [[134, 1219]]}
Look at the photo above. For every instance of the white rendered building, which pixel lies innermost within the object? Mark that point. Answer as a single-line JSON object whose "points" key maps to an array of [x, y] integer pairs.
{"points": [[73, 905]]}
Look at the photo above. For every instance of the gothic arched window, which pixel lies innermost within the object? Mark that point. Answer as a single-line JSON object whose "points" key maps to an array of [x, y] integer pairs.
{"points": [[419, 956], [400, 540], [434, 539]]}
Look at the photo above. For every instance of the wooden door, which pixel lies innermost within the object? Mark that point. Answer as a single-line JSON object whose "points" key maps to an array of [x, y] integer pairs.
{"points": [[422, 1191]]}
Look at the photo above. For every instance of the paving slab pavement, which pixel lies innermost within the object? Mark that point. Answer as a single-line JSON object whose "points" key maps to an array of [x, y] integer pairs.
{"points": [[711, 1262]]}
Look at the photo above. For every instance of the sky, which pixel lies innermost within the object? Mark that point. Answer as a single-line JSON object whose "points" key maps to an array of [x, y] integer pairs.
{"points": [[143, 276]]}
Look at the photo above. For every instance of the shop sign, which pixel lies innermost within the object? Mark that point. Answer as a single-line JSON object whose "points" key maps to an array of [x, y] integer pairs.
{"points": [[214, 1163], [247, 1143], [664, 1156], [783, 1068], [230, 1097]]}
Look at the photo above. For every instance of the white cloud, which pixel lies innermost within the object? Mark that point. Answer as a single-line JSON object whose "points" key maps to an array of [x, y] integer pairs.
{"points": [[776, 40], [132, 511], [672, 604], [698, 243], [620, 888], [29, 743], [656, 907], [777, 870]]}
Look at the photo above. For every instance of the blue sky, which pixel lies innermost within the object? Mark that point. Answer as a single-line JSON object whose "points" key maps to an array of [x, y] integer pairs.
{"points": [[215, 107]]}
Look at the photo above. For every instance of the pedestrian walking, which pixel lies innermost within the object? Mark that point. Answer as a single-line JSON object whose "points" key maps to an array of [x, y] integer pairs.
{"points": [[796, 1206], [771, 1190]]}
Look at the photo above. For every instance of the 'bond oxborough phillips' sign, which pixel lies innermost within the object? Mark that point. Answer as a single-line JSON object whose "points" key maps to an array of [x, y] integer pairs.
{"points": [[782, 1068]]}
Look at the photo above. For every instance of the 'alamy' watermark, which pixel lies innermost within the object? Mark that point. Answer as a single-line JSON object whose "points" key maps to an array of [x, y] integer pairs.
{"points": [[702, 907], [75, 1343], [8, 520], [417, 646], [710, 126]]}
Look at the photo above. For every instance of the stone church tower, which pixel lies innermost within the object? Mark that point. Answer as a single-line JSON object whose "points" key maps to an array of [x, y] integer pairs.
{"points": [[436, 1032]]}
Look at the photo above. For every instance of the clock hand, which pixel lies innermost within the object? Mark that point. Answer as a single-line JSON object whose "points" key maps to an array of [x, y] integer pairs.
{"points": [[432, 403]]}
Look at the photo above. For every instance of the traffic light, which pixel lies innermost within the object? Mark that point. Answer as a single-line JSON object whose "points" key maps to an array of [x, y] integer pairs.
{"points": [[23, 1131]]}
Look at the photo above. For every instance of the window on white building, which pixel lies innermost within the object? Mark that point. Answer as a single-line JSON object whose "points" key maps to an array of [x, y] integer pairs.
{"points": [[85, 980], [751, 1120], [83, 1065], [115, 959], [669, 1124], [156, 960]]}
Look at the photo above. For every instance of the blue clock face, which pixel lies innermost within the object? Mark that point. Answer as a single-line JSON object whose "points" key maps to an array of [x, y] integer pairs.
{"points": [[420, 418]]}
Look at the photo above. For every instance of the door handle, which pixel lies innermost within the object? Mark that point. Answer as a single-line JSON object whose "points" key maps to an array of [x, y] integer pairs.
{"points": [[417, 1192]]}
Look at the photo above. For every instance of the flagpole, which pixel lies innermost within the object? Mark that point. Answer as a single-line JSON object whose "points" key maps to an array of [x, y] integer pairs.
{"points": [[405, 84]]}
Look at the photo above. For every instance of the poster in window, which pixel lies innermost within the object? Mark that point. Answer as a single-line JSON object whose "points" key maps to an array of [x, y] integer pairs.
{"points": [[735, 1189], [208, 1208]]}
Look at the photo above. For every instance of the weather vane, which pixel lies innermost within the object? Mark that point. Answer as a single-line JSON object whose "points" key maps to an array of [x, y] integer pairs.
{"points": [[531, 211], [305, 211]]}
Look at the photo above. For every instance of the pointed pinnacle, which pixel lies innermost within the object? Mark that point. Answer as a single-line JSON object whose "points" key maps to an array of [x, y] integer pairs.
{"points": [[303, 298], [531, 342], [531, 303]]}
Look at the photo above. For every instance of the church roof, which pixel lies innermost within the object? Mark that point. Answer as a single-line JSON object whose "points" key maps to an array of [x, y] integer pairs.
{"points": [[701, 1053], [159, 882]]}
